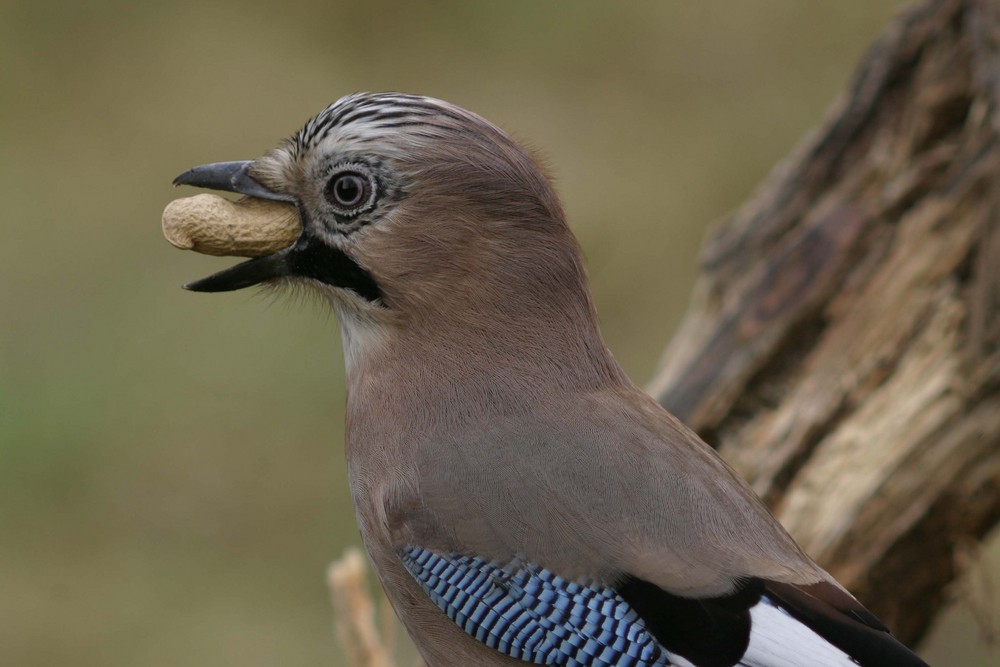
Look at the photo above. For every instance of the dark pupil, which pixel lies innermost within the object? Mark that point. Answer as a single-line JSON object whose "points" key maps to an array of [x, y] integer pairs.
{"points": [[349, 189]]}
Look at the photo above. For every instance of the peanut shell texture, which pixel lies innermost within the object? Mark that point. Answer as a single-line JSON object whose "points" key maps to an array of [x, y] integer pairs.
{"points": [[212, 225]]}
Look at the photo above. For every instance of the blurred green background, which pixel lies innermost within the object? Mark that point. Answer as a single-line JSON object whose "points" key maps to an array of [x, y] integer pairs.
{"points": [[172, 481]]}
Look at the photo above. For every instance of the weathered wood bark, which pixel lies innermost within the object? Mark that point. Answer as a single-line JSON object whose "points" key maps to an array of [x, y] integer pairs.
{"points": [[842, 346]]}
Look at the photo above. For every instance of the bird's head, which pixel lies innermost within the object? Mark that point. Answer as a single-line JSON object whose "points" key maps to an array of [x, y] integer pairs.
{"points": [[414, 212]]}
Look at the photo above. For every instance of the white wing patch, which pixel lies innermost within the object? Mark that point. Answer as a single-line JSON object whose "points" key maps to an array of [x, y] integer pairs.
{"points": [[779, 640]]}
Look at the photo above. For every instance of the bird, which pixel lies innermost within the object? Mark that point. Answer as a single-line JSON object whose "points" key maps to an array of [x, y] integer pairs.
{"points": [[522, 501]]}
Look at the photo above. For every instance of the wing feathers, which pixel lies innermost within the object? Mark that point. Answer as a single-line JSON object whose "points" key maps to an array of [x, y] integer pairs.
{"points": [[709, 632], [530, 613], [779, 640], [835, 597], [768, 623], [844, 622]]}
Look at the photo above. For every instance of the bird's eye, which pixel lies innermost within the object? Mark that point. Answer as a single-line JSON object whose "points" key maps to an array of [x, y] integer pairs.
{"points": [[349, 190]]}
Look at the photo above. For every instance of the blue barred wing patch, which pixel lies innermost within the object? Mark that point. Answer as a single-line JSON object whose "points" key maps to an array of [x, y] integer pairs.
{"points": [[529, 613]]}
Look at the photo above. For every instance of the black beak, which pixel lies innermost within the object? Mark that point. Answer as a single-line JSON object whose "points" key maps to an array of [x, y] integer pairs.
{"points": [[306, 258], [229, 177], [246, 274], [235, 177]]}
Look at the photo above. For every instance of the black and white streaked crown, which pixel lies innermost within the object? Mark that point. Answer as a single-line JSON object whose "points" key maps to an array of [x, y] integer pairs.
{"points": [[401, 136], [372, 115]]}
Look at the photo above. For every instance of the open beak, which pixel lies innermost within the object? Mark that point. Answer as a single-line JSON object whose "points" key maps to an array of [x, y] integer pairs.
{"points": [[235, 177], [306, 258]]}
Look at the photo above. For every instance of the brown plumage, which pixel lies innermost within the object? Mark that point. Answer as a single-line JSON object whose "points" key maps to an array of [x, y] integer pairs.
{"points": [[487, 419]]}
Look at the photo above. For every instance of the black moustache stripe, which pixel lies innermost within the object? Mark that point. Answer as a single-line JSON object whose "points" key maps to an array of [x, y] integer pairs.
{"points": [[332, 266]]}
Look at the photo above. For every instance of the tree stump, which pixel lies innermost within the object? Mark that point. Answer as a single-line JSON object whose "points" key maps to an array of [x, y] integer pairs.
{"points": [[841, 349]]}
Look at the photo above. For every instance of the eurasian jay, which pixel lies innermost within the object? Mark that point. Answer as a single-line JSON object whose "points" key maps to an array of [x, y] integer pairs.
{"points": [[522, 501]]}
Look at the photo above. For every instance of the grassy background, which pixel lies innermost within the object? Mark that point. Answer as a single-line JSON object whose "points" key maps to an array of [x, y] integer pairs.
{"points": [[172, 482]]}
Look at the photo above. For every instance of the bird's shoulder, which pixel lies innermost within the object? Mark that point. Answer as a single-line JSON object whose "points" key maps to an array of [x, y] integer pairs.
{"points": [[604, 481]]}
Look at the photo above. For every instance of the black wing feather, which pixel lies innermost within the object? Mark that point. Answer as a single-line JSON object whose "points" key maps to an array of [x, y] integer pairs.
{"points": [[715, 632]]}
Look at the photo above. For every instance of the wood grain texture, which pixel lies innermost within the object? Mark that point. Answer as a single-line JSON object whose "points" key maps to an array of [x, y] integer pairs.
{"points": [[842, 348]]}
